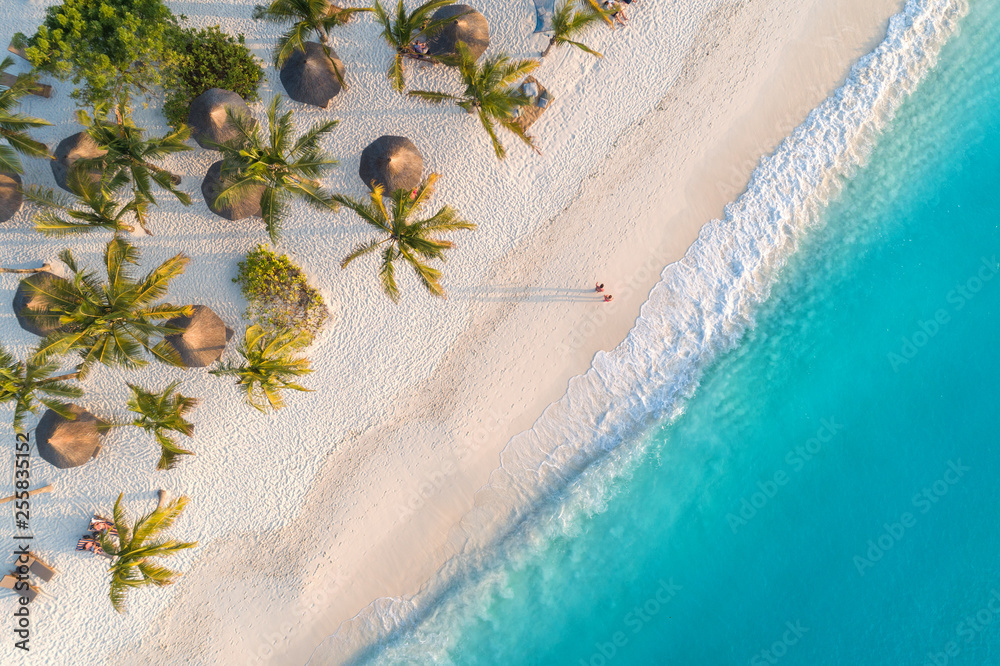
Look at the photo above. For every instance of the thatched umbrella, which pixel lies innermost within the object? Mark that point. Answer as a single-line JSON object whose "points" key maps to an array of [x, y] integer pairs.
{"points": [[392, 162], [309, 76], [247, 205], [204, 337], [26, 299], [72, 148], [10, 195], [469, 26], [209, 120], [64, 443]]}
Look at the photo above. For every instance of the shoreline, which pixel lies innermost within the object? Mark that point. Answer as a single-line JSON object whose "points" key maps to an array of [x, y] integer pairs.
{"points": [[421, 497], [328, 524]]}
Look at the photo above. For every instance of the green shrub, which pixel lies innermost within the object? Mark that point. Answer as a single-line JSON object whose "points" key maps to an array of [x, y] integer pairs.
{"points": [[278, 295], [208, 59], [115, 48]]}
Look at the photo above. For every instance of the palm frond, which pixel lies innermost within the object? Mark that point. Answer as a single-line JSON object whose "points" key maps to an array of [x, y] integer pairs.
{"points": [[433, 97], [410, 240]]}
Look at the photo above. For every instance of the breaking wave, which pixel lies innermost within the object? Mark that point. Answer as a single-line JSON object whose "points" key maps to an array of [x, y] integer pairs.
{"points": [[701, 308]]}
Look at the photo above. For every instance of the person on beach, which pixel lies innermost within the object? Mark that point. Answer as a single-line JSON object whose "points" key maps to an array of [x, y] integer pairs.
{"points": [[607, 298], [616, 11], [599, 288]]}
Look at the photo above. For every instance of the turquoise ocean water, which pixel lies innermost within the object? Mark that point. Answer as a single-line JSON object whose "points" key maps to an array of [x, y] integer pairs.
{"points": [[831, 493]]}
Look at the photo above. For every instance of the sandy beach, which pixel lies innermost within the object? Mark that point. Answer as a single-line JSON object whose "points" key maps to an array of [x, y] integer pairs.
{"points": [[322, 526]]}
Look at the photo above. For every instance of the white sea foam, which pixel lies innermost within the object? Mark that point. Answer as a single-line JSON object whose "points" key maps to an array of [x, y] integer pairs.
{"points": [[701, 308]]}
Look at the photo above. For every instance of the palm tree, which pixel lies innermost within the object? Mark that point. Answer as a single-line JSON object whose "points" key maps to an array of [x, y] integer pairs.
{"points": [[161, 414], [14, 126], [319, 16], [568, 22], [45, 268], [489, 92], [401, 33], [270, 363], [96, 208], [113, 322], [399, 238], [127, 161], [135, 547], [31, 385], [596, 9], [285, 169]]}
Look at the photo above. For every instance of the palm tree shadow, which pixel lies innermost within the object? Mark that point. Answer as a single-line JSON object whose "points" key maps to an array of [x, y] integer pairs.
{"points": [[512, 293]]}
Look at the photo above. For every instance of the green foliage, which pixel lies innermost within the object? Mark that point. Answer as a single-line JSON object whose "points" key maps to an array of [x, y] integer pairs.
{"points": [[90, 208], [114, 48], [112, 322], [306, 16], [399, 238], [129, 156], [136, 546], [489, 92], [14, 126], [595, 8], [568, 22], [31, 385], [278, 295], [270, 363], [161, 414], [208, 59], [285, 168], [401, 31]]}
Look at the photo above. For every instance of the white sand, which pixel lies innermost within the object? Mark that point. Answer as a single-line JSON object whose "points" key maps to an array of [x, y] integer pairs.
{"points": [[351, 493]]}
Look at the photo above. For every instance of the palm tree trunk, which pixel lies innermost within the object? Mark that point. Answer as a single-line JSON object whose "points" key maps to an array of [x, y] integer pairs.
{"points": [[60, 378], [44, 269], [552, 42], [176, 180]]}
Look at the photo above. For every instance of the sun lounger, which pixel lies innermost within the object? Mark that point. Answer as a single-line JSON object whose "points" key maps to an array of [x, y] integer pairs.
{"points": [[16, 50], [102, 524], [39, 568], [90, 543], [39, 89], [10, 580]]}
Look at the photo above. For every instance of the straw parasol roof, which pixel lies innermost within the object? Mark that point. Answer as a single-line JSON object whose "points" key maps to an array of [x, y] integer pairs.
{"points": [[247, 206], [73, 148], [26, 298], [392, 162], [10, 195], [209, 120], [65, 443], [469, 26], [309, 76], [204, 337]]}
